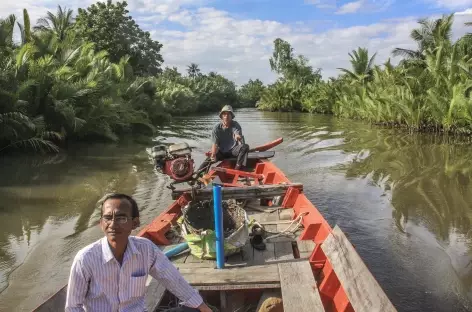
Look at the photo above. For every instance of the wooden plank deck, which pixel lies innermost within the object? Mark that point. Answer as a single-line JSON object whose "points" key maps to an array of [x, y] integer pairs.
{"points": [[258, 269], [231, 275], [363, 291], [299, 290]]}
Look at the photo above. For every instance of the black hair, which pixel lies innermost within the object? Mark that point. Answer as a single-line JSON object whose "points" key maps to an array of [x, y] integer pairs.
{"points": [[134, 205]]}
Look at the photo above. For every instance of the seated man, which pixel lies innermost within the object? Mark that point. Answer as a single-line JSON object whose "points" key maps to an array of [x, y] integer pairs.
{"points": [[225, 137], [110, 274]]}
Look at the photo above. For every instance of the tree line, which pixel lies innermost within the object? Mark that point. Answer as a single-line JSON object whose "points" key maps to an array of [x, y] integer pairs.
{"points": [[429, 89], [93, 77], [98, 76]]}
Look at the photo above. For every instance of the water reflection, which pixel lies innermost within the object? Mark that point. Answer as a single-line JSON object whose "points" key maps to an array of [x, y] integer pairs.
{"points": [[44, 192], [428, 178]]}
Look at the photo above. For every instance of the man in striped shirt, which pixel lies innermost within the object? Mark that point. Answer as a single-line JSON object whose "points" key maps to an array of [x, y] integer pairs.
{"points": [[110, 274]]}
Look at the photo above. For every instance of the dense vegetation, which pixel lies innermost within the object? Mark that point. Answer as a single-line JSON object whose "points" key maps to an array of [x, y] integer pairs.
{"points": [[428, 90], [69, 80]]}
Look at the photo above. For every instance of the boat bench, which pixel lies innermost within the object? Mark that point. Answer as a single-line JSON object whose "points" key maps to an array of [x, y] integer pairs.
{"points": [[248, 192]]}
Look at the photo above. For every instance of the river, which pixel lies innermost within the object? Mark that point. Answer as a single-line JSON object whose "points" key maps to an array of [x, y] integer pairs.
{"points": [[405, 202]]}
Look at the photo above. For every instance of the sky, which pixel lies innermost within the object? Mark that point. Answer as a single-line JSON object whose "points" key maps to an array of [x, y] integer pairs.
{"points": [[235, 37]]}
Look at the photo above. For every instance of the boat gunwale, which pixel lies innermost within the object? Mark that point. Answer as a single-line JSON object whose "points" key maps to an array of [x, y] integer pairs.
{"points": [[316, 229]]}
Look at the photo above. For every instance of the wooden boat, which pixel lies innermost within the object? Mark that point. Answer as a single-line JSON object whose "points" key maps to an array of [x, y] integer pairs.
{"points": [[318, 269]]}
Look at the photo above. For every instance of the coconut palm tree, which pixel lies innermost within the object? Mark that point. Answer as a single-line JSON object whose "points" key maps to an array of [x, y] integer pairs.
{"points": [[193, 70], [58, 24], [362, 65], [429, 35]]}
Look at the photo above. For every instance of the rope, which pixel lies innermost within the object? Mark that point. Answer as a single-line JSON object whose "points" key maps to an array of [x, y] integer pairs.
{"points": [[286, 232]]}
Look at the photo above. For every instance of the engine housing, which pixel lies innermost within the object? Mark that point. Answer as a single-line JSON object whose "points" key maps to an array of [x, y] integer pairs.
{"points": [[175, 161]]}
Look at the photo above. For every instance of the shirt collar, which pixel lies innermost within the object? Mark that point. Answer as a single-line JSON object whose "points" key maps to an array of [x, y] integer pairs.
{"points": [[223, 125], [108, 254]]}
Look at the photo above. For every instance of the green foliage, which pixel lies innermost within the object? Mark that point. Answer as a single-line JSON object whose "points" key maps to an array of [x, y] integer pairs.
{"points": [[282, 96], [57, 87], [250, 93], [193, 70], [429, 90], [195, 93], [59, 24], [70, 80], [361, 66], [281, 57], [109, 27], [284, 63]]}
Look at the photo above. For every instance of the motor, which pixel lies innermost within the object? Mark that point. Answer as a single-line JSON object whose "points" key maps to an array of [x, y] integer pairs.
{"points": [[174, 160]]}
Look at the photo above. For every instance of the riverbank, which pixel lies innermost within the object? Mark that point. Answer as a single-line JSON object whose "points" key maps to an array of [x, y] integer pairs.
{"points": [[80, 90], [71, 82], [428, 91]]}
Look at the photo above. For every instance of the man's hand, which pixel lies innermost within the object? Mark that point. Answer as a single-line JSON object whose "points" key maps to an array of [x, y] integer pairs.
{"points": [[204, 308], [214, 149], [237, 137]]}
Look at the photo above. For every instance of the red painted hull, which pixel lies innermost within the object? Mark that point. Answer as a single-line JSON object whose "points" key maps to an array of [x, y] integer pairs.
{"points": [[315, 226]]}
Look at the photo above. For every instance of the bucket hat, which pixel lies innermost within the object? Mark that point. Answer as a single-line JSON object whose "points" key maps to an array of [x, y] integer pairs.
{"points": [[227, 108]]}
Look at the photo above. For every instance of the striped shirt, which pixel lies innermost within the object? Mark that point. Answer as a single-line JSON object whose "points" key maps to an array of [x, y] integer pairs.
{"points": [[97, 282]]}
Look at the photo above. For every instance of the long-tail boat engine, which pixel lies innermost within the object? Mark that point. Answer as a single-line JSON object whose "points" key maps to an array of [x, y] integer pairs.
{"points": [[174, 160]]}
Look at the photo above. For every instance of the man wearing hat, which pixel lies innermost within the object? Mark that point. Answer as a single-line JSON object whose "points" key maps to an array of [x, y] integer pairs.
{"points": [[227, 139]]}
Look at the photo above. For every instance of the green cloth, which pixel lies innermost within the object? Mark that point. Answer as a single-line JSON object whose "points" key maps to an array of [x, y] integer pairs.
{"points": [[204, 246]]}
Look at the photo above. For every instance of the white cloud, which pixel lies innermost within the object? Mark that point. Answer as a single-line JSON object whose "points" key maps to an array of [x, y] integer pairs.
{"points": [[452, 4], [241, 48], [183, 17], [465, 12], [163, 7], [368, 6], [350, 7], [322, 4]]}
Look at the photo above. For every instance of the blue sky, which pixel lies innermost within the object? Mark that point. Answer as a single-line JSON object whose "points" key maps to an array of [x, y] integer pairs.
{"points": [[299, 10], [235, 37]]}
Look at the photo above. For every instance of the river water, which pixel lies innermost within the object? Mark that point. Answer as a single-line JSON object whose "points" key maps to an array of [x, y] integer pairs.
{"points": [[405, 202]]}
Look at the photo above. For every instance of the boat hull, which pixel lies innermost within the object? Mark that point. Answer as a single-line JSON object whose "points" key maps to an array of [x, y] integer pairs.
{"points": [[338, 273]]}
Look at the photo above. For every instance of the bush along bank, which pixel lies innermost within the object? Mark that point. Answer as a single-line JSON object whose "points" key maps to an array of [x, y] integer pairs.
{"points": [[429, 90], [67, 80]]}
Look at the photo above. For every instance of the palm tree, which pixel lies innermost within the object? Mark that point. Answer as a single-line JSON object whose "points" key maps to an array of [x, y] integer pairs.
{"points": [[193, 70], [59, 24], [362, 65], [428, 36], [7, 26], [25, 28], [19, 132]]}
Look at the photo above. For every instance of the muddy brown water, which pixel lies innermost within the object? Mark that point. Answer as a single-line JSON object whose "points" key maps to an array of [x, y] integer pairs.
{"points": [[405, 202]]}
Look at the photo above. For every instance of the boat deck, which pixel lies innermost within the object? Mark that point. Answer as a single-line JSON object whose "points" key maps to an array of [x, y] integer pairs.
{"points": [[329, 276], [279, 248], [281, 270]]}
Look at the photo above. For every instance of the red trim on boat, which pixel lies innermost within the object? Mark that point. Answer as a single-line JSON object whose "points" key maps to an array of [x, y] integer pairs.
{"points": [[316, 228]]}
